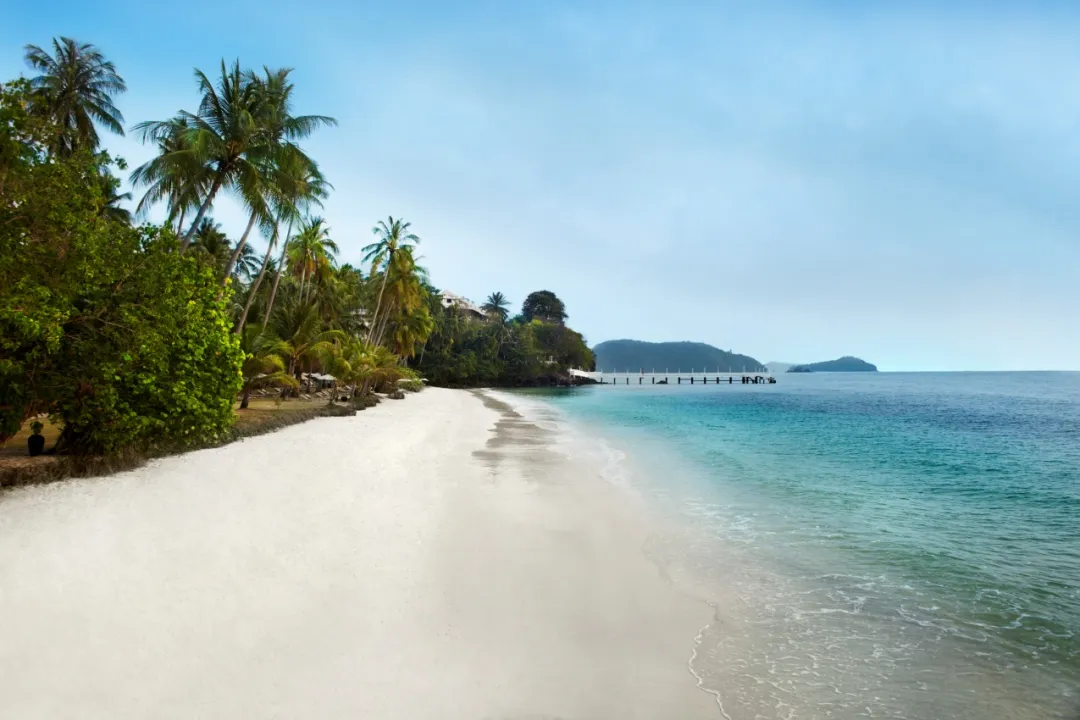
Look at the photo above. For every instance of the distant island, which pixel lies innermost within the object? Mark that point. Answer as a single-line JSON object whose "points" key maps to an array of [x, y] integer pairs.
{"points": [[844, 364], [779, 367], [634, 355]]}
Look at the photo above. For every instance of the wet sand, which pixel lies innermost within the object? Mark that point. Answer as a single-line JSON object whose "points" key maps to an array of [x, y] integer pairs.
{"points": [[439, 557]]}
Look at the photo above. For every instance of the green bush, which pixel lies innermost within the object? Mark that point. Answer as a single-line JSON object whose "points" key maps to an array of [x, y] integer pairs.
{"points": [[157, 366], [411, 385], [106, 327]]}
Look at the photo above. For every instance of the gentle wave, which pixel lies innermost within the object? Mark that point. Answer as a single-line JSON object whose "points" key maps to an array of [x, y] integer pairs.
{"points": [[883, 546]]}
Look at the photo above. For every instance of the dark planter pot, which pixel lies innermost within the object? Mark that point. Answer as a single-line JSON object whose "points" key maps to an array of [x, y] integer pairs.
{"points": [[35, 444]]}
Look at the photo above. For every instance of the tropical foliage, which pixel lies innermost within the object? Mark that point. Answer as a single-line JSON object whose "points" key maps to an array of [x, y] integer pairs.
{"points": [[130, 335]]}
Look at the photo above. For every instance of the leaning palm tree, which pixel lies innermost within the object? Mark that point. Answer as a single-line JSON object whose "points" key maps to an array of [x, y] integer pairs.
{"points": [[310, 190], [304, 186], [227, 139], [175, 175], [497, 306], [75, 90], [392, 235], [284, 172], [263, 365]]}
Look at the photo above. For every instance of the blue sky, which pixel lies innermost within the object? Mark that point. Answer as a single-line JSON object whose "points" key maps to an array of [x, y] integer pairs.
{"points": [[794, 181]]}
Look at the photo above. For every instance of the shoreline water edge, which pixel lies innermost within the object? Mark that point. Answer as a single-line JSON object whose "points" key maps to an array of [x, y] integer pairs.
{"points": [[840, 584]]}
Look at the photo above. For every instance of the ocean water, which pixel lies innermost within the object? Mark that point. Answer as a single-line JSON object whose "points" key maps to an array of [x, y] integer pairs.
{"points": [[874, 545]]}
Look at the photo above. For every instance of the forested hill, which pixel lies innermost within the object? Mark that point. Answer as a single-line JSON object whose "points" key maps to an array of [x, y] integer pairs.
{"points": [[634, 355], [844, 364]]}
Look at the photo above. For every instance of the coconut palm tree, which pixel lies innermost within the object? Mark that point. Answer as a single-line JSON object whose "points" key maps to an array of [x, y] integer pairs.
{"points": [[263, 365], [497, 306], [211, 240], [227, 138], [304, 187], [287, 165], [311, 251], [245, 265], [75, 90], [310, 191], [392, 235], [411, 328], [175, 175], [298, 324], [110, 201], [403, 292]]}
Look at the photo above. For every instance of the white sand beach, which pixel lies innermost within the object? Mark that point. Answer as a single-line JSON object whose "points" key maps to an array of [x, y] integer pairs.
{"points": [[431, 558]]}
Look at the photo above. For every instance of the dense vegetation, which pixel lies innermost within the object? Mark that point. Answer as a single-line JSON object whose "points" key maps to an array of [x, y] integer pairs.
{"points": [[129, 334], [634, 355], [844, 364], [523, 351]]}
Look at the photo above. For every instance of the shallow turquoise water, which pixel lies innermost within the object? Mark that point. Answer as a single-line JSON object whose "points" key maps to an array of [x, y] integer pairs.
{"points": [[876, 545]]}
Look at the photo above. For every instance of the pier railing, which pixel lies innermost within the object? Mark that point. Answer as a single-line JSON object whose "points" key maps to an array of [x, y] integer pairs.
{"points": [[678, 377]]}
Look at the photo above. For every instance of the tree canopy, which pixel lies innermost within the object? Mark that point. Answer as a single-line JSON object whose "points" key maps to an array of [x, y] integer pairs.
{"points": [[543, 305]]}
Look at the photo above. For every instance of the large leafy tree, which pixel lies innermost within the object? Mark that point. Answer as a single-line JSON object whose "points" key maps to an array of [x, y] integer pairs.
{"points": [[392, 236], [102, 326], [75, 91], [544, 305]]}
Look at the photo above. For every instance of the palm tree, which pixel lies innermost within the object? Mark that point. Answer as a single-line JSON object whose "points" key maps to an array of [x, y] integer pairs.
{"points": [[404, 291], [210, 239], [263, 365], [245, 265], [75, 90], [305, 186], [392, 235], [286, 166], [311, 251], [226, 138], [298, 324], [311, 190], [497, 306], [110, 201], [411, 328], [175, 175]]}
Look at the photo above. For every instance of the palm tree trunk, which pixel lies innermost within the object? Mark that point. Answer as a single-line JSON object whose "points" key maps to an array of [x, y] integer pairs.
{"points": [[244, 400], [255, 287], [239, 247], [180, 224], [202, 211], [277, 275], [378, 304]]}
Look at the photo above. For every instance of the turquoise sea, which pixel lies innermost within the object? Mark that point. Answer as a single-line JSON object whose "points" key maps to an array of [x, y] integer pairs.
{"points": [[875, 545]]}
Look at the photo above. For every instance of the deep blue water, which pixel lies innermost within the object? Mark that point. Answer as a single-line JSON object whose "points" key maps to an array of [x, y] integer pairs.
{"points": [[876, 545]]}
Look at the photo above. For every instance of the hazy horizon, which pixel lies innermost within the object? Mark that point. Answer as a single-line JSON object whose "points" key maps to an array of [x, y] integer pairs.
{"points": [[893, 182]]}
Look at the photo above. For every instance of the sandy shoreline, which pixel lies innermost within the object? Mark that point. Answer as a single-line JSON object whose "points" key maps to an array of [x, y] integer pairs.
{"points": [[435, 558]]}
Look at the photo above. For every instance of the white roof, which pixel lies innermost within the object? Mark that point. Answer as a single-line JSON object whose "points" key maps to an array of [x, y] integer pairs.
{"points": [[449, 298]]}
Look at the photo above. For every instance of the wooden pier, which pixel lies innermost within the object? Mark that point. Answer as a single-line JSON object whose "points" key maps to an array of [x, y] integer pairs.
{"points": [[677, 378]]}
